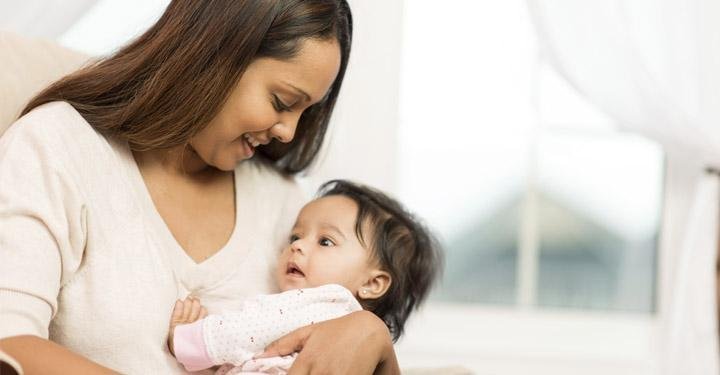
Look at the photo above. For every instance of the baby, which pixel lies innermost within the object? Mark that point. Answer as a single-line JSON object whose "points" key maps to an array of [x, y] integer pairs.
{"points": [[352, 248]]}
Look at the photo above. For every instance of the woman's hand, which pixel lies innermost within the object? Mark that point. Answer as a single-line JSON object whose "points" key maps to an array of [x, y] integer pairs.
{"points": [[358, 343]]}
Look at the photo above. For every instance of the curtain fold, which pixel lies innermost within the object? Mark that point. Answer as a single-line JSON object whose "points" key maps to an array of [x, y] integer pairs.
{"points": [[690, 323], [654, 67]]}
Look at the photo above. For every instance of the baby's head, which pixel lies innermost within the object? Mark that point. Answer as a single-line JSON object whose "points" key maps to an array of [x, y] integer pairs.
{"points": [[362, 239]]}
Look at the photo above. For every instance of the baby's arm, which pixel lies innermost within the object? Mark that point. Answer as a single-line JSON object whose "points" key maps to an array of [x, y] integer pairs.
{"points": [[235, 337], [184, 312]]}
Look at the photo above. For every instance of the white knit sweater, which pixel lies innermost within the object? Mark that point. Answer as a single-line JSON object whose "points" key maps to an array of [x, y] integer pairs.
{"points": [[85, 258]]}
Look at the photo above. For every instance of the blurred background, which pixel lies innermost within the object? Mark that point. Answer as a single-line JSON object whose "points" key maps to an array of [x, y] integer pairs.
{"points": [[561, 227]]}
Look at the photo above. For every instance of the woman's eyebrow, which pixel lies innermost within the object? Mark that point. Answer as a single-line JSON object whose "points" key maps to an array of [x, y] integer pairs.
{"points": [[300, 91]]}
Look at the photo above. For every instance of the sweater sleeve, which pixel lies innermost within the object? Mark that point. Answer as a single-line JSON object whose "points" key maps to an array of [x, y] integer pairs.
{"points": [[41, 229], [236, 336]]}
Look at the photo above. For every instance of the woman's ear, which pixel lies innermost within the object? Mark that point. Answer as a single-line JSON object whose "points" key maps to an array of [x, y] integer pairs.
{"points": [[376, 285]]}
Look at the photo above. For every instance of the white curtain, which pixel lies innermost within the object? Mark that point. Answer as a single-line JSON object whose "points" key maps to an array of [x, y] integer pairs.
{"points": [[654, 66], [41, 18]]}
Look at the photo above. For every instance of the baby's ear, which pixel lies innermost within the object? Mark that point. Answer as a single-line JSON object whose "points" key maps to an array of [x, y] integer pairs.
{"points": [[376, 285]]}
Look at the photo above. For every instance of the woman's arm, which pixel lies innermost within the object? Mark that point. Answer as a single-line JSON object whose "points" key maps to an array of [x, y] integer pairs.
{"points": [[42, 242], [39, 356], [358, 343]]}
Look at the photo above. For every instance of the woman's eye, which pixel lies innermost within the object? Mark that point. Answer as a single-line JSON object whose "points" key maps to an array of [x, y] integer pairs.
{"points": [[279, 105], [294, 238], [326, 242]]}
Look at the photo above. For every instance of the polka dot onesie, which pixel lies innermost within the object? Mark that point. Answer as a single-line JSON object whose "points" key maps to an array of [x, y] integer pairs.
{"points": [[233, 338]]}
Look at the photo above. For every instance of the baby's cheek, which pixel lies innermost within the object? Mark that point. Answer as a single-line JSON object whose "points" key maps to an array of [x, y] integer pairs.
{"points": [[279, 280]]}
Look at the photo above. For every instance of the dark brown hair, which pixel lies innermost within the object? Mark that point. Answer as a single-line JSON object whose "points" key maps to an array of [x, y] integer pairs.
{"points": [[401, 244], [167, 85]]}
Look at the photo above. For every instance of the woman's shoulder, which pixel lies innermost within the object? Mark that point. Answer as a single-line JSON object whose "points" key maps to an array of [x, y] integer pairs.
{"points": [[58, 135], [52, 112], [53, 123]]}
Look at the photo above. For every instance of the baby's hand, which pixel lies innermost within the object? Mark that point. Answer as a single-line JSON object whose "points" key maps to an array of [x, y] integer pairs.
{"points": [[185, 312]]}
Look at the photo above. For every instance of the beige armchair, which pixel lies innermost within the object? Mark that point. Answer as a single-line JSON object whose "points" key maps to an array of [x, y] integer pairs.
{"points": [[26, 67]]}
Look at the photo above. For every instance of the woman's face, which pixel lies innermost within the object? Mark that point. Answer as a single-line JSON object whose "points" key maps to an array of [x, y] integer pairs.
{"points": [[267, 103]]}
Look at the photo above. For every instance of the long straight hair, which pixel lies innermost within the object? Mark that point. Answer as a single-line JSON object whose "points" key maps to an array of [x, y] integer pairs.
{"points": [[167, 85]]}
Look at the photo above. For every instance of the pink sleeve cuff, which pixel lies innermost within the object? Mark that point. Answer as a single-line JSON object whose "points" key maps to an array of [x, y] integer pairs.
{"points": [[189, 347]]}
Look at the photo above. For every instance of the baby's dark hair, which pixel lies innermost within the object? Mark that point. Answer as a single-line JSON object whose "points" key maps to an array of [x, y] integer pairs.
{"points": [[401, 244]]}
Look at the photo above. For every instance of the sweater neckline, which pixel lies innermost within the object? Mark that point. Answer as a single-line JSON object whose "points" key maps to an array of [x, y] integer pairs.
{"points": [[193, 275]]}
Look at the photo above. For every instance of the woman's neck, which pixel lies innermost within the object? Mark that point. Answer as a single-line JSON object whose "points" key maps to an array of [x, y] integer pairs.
{"points": [[179, 160]]}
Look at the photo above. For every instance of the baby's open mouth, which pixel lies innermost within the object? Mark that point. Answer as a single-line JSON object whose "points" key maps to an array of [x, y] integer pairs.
{"points": [[293, 269]]}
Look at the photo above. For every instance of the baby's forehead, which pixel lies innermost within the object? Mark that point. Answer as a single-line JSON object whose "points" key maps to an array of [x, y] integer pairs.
{"points": [[338, 205], [338, 210]]}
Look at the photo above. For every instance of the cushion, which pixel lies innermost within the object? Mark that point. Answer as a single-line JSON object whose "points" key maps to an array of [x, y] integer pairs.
{"points": [[28, 66]]}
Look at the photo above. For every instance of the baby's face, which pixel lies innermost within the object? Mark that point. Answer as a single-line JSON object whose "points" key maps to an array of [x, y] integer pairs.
{"points": [[323, 248]]}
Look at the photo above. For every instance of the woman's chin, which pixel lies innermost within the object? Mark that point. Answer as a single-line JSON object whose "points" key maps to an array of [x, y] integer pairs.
{"points": [[228, 164], [229, 167]]}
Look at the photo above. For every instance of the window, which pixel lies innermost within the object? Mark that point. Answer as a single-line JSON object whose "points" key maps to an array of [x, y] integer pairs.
{"points": [[549, 216]]}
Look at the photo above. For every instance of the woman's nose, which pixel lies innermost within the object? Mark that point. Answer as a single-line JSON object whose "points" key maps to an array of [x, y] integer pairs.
{"points": [[284, 131]]}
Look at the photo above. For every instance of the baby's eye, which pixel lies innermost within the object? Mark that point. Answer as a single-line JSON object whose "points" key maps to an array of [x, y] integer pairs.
{"points": [[294, 238], [326, 242]]}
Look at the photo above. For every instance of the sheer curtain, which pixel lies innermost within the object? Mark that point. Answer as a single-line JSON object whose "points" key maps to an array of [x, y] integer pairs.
{"points": [[654, 66]]}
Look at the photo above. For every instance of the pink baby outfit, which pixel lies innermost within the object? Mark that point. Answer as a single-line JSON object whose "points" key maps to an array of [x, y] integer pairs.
{"points": [[233, 338]]}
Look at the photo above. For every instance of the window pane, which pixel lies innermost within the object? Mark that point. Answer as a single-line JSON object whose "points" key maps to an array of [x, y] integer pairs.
{"points": [[466, 112], [598, 206], [587, 239], [480, 223]]}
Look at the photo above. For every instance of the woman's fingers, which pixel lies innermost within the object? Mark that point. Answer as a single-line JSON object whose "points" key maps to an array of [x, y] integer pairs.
{"points": [[288, 344]]}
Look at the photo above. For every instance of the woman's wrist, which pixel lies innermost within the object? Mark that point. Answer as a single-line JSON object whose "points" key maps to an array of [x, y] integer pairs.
{"points": [[37, 355]]}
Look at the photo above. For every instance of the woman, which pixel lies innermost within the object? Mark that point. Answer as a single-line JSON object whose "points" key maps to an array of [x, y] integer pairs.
{"points": [[130, 183]]}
